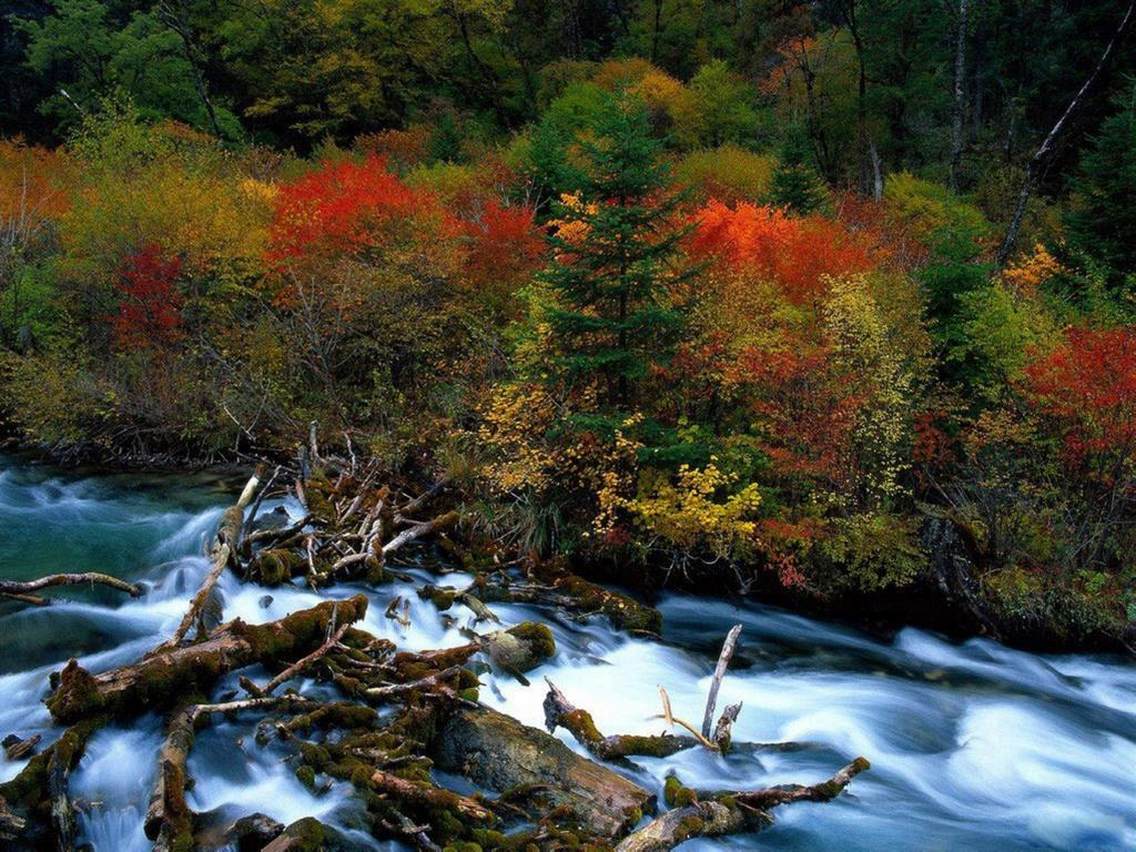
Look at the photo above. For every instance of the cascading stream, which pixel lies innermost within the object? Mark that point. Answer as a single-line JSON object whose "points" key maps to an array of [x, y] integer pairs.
{"points": [[973, 746]]}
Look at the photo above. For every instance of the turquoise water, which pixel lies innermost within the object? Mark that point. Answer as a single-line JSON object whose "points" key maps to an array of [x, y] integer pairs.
{"points": [[974, 746]]}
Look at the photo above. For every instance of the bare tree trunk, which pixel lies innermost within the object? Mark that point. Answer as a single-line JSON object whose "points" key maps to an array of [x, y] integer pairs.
{"points": [[958, 117], [1041, 157], [175, 19]]}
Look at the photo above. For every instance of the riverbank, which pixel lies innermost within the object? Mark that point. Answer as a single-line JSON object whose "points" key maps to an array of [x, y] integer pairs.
{"points": [[951, 596]]}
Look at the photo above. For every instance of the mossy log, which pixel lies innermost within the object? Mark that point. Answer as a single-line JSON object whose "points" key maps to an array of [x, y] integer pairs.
{"points": [[39, 794], [167, 678], [558, 587], [559, 712], [699, 814], [498, 752], [426, 795], [169, 821]]}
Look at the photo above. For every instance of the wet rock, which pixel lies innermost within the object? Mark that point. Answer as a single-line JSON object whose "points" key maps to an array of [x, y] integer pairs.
{"points": [[252, 833]]}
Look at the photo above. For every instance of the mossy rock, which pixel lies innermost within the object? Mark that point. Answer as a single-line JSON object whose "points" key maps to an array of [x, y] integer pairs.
{"points": [[521, 648]]}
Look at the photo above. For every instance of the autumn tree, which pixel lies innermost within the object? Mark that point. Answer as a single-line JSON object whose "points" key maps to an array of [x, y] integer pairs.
{"points": [[149, 304]]}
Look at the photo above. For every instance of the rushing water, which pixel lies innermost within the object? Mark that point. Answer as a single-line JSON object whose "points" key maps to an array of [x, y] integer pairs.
{"points": [[973, 746]]}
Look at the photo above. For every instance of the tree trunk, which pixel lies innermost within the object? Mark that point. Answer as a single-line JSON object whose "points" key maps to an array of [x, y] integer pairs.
{"points": [[163, 679], [1042, 156], [958, 110]]}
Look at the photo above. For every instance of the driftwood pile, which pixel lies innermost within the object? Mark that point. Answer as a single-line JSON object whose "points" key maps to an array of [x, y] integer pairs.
{"points": [[395, 715]]}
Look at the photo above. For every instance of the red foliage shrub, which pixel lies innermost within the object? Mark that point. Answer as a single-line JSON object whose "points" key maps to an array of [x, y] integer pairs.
{"points": [[796, 253], [149, 310], [504, 244], [340, 208], [1087, 386], [807, 410]]}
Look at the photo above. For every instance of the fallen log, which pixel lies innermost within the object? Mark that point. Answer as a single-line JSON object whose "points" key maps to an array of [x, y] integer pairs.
{"points": [[169, 821], [163, 678], [226, 544], [40, 791], [717, 814], [498, 752], [559, 712], [425, 795], [557, 587], [22, 589]]}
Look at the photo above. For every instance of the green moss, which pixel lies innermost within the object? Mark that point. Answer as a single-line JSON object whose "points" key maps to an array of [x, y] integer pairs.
{"points": [[309, 834], [582, 726], [315, 756], [276, 566], [688, 827], [488, 838], [306, 776], [676, 794], [538, 636], [442, 598]]}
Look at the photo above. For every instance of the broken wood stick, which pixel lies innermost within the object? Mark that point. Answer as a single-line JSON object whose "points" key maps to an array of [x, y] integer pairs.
{"points": [[719, 673], [17, 748], [434, 681], [671, 720], [559, 712], [723, 731], [428, 796], [300, 665], [421, 529], [22, 589], [718, 814]]}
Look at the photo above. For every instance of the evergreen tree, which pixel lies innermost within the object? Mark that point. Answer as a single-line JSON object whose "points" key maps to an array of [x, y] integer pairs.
{"points": [[616, 254], [1102, 223], [796, 185]]}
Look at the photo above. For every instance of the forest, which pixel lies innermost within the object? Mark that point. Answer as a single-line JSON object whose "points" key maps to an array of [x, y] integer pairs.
{"points": [[827, 304]]}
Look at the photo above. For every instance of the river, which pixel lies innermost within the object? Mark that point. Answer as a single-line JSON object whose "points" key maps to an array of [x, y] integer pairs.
{"points": [[973, 746]]}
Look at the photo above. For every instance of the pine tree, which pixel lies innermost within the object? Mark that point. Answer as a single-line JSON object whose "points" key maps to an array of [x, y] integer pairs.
{"points": [[795, 185], [1102, 223], [616, 259]]}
